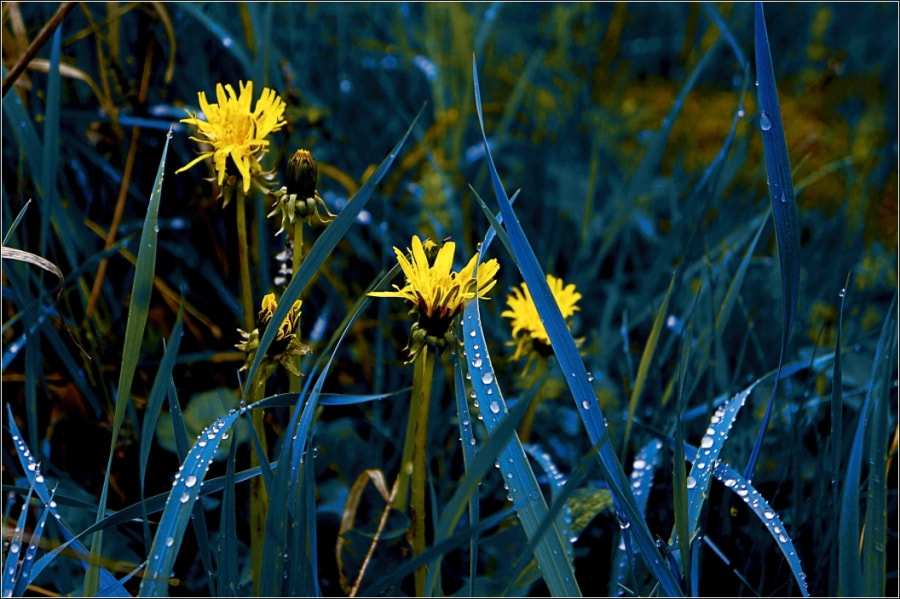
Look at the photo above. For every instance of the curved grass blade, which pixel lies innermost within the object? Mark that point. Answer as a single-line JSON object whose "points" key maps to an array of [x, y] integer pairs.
{"points": [[38, 483], [134, 333], [784, 206], [154, 405], [758, 504], [575, 373], [324, 245], [180, 504]]}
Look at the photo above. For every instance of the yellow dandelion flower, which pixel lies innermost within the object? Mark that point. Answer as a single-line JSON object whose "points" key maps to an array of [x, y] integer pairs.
{"points": [[528, 331], [286, 343], [437, 293], [236, 133]]}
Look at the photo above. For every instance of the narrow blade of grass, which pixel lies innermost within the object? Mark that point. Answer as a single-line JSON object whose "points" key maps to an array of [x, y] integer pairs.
{"points": [[134, 333], [574, 371], [467, 442], [228, 573], [876, 535], [784, 206], [50, 157], [644, 366]]}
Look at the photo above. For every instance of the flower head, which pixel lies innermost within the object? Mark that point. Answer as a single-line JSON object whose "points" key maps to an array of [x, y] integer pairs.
{"points": [[236, 133], [286, 343], [299, 198], [528, 331], [437, 293]]}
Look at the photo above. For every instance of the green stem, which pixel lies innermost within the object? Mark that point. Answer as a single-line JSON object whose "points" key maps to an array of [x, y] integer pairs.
{"points": [[422, 376], [536, 378], [244, 254], [294, 383], [259, 497]]}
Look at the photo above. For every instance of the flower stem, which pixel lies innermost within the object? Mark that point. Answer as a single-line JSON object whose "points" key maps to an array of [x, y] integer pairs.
{"points": [[244, 254], [422, 377], [259, 497], [534, 380], [294, 383]]}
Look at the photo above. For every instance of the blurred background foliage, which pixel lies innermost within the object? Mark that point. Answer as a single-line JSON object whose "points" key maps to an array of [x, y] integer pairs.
{"points": [[575, 97]]}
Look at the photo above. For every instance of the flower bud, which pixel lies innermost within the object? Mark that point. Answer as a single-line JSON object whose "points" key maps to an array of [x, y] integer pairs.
{"points": [[302, 175]]}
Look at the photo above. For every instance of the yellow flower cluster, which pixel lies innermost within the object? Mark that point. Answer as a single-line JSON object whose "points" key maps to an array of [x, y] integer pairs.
{"points": [[528, 331]]}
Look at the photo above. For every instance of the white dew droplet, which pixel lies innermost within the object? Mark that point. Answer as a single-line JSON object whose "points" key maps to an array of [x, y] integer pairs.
{"points": [[487, 378], [691, 482], [765, 123], [190, 481], [495, 407]]}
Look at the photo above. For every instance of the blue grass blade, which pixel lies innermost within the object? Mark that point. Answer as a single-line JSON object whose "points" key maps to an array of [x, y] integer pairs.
{"points": [[324, 246], [34, 373], [468, 442], [784, 206], [292, 457], [50, 157], [11, 571], [553, 548], [573, 368], [228, 573], [502, 436], [179, 506], [154, 405], [37, 482], [138, 309], [764, 512], [24, 578], [304, 580], [879, 390], [646, 460], [23, 129]]}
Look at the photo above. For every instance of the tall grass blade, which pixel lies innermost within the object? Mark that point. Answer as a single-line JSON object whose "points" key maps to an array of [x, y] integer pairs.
{"points": [[228, 573], [467, 442], [11, 570], [875, 536], [574, 371], [553, 548], [784, 206], [24, 577], [50, 157], [325, 244], [134, 333], [154, 405], [837, 432]]}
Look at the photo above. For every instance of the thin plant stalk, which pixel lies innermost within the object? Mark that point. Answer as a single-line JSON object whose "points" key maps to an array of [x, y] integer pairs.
{"points": [[422, 377], [259, 499], [535, 380], [294, 384]]}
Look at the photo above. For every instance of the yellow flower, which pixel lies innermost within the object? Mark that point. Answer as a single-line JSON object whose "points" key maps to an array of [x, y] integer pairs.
{"points": [[438, 294], [236, 133], [528, 331], [286, 343]]}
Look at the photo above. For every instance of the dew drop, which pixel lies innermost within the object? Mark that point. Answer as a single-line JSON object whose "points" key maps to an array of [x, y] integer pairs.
{"points": [[472, 333], [586, 404], [487, 378], [190, 481], [765, 123], [706, 442], [184, 497], [169, 541], [476, 363], [691, 482], [769, 514], [730, 482], [783, 198], [640, 464], [472, 441], [495, 407]]}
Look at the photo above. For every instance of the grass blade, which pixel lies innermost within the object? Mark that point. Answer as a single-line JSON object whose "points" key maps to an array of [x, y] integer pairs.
{"points": [[575, 373], [784, 206], [134, 333], [876, 535]]}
